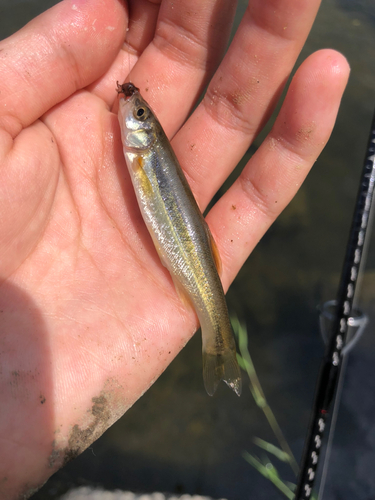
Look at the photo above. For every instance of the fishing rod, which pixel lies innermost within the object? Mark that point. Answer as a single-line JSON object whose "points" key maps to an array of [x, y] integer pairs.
{"points": [[357, 324], [343, 312]]}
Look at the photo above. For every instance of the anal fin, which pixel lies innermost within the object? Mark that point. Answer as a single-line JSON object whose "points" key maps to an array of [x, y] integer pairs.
{"points": [[182, 293]]}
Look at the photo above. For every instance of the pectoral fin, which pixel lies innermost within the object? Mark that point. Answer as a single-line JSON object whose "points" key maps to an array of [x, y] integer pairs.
{"points": [[138, 169]]}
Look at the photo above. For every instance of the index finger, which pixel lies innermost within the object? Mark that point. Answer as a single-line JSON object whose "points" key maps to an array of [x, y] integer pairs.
{"points": [[60, 51]]}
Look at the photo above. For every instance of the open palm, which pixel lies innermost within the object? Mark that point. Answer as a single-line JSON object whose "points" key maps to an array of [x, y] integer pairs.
{"points": [[89, 317]]}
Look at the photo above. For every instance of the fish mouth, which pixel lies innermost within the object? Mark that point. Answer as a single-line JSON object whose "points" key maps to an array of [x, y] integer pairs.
{"points": [[128, 89]]}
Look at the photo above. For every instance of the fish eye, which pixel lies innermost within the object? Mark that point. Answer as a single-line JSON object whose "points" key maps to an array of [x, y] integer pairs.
{"points": [[140, 113]]}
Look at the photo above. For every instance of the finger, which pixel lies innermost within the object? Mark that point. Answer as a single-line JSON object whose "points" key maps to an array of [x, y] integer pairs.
{"points": [[189, 42], [60, 51], [243, 92], [276, 171], [142, 23], [143, 16]]}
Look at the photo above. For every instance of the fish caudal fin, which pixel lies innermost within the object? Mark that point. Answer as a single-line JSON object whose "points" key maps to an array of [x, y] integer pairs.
{"points": [[224, 367]]}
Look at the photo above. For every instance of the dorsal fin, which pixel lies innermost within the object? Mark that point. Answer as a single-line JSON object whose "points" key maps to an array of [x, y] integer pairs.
{"points": [[215, 252]]}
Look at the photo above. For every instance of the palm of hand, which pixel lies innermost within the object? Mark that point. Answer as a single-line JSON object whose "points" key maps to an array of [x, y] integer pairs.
{"points": [[94, 297], [89, 316]]}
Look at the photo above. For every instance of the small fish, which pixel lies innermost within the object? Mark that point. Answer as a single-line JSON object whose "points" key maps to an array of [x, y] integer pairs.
{"points": [[180, 234]]}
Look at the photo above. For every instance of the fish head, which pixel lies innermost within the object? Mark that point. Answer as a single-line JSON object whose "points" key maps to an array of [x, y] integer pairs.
{"points": [[141, 126]]}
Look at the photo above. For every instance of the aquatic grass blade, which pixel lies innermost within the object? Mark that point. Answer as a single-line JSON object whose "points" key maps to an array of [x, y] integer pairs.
{"points": [[271, 448], [269, 473], [246, 363]]}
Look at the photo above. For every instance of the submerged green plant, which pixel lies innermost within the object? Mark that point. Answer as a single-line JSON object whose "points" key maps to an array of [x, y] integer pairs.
{"points": [[283, 452]]}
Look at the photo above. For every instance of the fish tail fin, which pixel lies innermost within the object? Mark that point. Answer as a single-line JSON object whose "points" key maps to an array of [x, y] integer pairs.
{"points": [[224, 367]]}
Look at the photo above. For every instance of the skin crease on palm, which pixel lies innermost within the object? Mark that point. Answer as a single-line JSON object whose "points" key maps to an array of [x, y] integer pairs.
{"points": [[89, 316]]}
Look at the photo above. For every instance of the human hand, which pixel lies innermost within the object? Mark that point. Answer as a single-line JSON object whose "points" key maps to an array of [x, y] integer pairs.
{"points": [[89, 317]]}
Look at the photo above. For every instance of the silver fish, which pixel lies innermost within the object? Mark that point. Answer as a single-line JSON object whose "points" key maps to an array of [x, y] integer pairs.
{"points": [[180, 234]]}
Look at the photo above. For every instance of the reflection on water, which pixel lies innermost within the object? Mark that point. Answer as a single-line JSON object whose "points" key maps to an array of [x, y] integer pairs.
{"points": [[360, 9], [176, 438]]}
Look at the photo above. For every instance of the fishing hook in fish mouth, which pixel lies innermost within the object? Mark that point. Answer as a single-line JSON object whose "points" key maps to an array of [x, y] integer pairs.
{"points": [[128, 89]]}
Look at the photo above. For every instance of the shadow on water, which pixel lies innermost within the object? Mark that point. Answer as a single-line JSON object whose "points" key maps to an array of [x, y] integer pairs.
{"points": [[15, 14], [179, 440]]}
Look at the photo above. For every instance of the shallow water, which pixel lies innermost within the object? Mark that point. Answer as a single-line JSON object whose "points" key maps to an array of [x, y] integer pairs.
{"points": [[177, 439]]}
